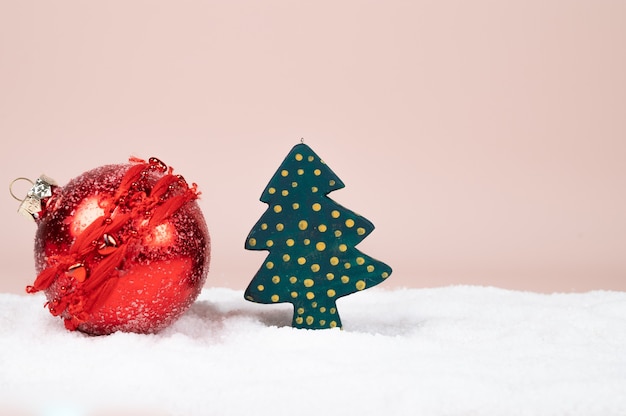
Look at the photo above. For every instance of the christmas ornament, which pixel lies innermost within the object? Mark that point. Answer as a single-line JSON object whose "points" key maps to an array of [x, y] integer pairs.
{"points": [[120, 248], [311, 240]]}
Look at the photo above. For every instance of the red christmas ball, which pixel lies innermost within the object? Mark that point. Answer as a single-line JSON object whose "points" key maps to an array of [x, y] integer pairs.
{"points": [[121, 248]]}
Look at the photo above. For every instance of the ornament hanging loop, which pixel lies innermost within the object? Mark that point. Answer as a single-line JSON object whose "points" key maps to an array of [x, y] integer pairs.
{"points": [[33, 204], [13, 183]]}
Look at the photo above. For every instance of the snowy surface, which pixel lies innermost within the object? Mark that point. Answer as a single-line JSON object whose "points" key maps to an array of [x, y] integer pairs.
{"points": [[446, 351]]}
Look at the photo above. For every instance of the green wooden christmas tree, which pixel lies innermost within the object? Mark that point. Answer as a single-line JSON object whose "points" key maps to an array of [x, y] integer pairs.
{"points": [[311, 240]]}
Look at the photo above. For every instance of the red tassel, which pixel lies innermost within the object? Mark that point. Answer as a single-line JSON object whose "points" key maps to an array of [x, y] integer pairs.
{"points": [[44, 280], [162, 186], [132, 175], [104, 269], [169, 207], [84, 241]]}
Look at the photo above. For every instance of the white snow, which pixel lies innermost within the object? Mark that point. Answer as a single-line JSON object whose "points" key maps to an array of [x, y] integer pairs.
{"points": [[446, 351]]}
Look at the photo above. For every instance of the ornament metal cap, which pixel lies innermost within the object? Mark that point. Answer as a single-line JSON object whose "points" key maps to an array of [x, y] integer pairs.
{"points": [[32, 205]]}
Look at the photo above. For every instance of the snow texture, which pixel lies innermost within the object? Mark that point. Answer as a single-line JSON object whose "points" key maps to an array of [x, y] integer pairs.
{"points": [[446, 351]]}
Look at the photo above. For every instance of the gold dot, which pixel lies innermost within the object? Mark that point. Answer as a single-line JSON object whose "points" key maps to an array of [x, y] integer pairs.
{"points": [[314, 189], [315, 268], [333, 310], [300, 311], [252, 242], [317, 172], [306, 241], [290, 242], [286, 257], [345, 279], [294, 184], [284, 192], [370, 268], [322, 309], [293, 279], [330, 276], [335, 214], [301, 260], [334, 261], [309, 320], [284, 172], [360, 261], [301, 172], [320, 246], [303, 224], [294, 294], [272, 190], [316, 206], [322, 228], [331, 293], [385, 275], [347, 265], [298, 157], [269, 265], [275, 298], [322, 322], [295, 205], [332, 324], [360, 285], [308, 282], [269, 243], [299, 320], [337, 233], [331, 182], [310, 295], [264, 226], [349, 223], [276, 279], [310, 158], [314, 304], [277, 208], [261, 288], [360, 231], [343, 247], [280, 227]]}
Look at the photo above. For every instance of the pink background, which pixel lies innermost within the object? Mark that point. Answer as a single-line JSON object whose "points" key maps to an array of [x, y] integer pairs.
{"points": [[486, 140]]}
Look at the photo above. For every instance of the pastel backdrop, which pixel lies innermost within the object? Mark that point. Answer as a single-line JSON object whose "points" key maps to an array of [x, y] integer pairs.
{"points": [[486, 140]]}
